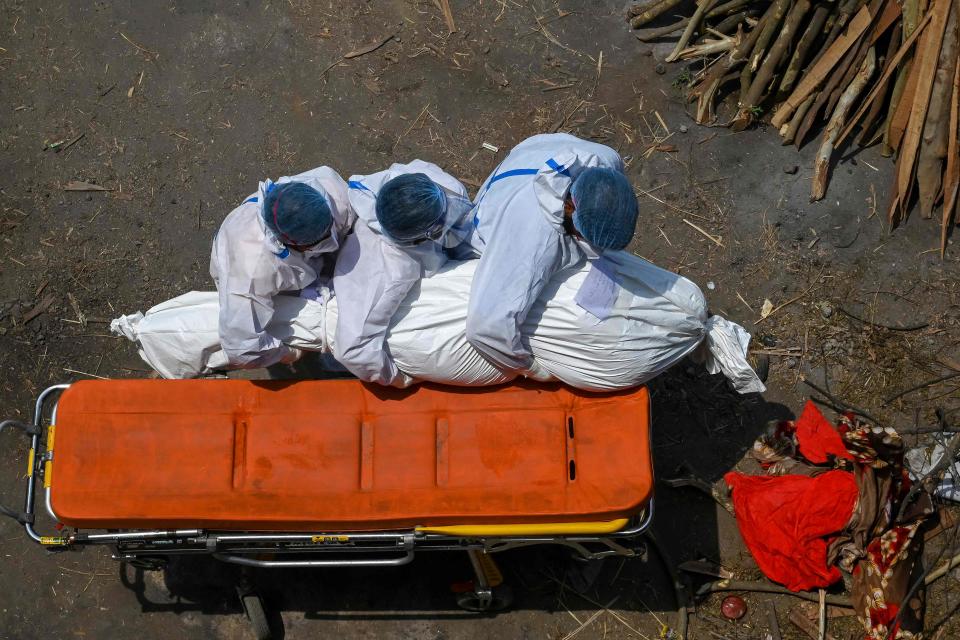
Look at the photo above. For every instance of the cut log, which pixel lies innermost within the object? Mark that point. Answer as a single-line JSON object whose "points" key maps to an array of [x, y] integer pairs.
{"points": [[716, 12], [757, 89], [710, 47], [880, 90], [774, 16], [776, 12], [789, 131], [846, 9], [833, 87], [848, 73], [649, 11], [693, 25], [813, 78], [731, 22], [821, 167], [925, 71], [704, 91], [951, 177], [911, 17], [891, 66], [810, 35], [898, 121], [936, 126], [889, 15]]}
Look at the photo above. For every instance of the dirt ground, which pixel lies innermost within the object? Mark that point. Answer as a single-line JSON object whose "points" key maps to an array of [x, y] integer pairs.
{"points": [[179, 108]]}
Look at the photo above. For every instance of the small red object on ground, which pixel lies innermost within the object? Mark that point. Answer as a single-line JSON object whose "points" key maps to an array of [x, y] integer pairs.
{"points": [[733, 608]]}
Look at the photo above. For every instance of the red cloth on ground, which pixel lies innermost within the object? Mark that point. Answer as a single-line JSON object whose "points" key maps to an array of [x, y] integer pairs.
{"points": [[786, 522], [817, 439]]}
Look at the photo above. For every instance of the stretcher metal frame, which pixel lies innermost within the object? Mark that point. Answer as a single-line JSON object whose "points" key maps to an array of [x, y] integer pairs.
{"points": [[268, 549]]}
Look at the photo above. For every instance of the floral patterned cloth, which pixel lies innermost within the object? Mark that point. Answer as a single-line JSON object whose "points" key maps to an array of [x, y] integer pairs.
{"points": [[878, 547]]}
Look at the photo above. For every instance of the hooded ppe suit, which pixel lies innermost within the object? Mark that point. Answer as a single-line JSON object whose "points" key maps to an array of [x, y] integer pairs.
{"points": [[250, 266], [519, 216], [373, 275]]}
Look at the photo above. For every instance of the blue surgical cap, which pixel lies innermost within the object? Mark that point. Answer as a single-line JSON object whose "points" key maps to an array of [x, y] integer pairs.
{"points": [[605, 208], [297, 213], [409, 205]]}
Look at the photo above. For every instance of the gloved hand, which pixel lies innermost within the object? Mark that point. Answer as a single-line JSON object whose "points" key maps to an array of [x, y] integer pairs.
{"points": [[293, 354], [537, 372]]}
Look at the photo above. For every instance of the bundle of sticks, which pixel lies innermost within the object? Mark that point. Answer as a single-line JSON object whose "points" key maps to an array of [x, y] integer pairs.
{"points": [[886, 68]]}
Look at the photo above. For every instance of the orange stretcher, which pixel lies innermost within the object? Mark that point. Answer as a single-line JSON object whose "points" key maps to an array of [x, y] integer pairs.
{"points": [[337, 472]]}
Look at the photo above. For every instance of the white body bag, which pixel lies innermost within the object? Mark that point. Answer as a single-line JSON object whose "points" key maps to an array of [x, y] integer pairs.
{"points": [[614, 323]]}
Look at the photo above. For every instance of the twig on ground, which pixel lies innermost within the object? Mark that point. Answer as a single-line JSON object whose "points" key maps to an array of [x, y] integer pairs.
{"points": [[370, 48], [716, 240], [816, 283], [807, 626], [70, 144], [839, 403], [412, 125], [935, 474], [773, 624], [912, 327], [590, 620], [331, 66], [563, 120], [923, 385], [822, 615], [552, 38], [943, 569], [84, 373], [37, 309], [767, 587], [138, 46], [678, 587], [447, 15], [922, 429]]}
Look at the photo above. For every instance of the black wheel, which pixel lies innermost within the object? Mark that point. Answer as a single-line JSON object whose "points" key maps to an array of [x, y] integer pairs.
{"points": [[502, 598], [761, 366], [149, 563], [253, 607]]}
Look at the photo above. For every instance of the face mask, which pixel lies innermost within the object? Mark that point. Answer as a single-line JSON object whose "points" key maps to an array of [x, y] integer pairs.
{"points": [[458, 220], [327, 245]]}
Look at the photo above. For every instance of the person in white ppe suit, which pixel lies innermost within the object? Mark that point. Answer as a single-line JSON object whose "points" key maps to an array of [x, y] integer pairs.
{"points": [[276, 242], [412, 219], [554, 201]]}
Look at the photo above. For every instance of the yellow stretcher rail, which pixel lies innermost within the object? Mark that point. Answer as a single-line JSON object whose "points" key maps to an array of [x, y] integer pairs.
{"points": [[48, 464], [544, 529]]}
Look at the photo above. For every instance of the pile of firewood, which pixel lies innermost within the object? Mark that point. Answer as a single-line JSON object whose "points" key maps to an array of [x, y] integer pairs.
{"points": [[887, 67]]}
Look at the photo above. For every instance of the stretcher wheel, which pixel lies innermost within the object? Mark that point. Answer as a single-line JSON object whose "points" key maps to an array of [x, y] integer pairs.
{"points": [[500, 598], [253, 607]]}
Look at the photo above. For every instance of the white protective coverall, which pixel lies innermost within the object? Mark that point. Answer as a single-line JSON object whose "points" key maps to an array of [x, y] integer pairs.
{"points": [[250, 266], [373, 275], [518, 216]]}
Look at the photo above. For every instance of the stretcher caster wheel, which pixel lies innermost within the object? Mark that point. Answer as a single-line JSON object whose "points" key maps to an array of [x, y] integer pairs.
{"points": [[253, 608], [486, 600]]}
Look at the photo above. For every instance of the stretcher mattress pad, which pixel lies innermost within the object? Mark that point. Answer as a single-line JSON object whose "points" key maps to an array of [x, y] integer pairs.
{"points": [[343, 455]]}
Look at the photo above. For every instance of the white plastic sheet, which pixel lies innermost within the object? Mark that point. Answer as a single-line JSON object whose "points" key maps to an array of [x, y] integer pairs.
{"points": [[654, 319], [922, 460]]}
